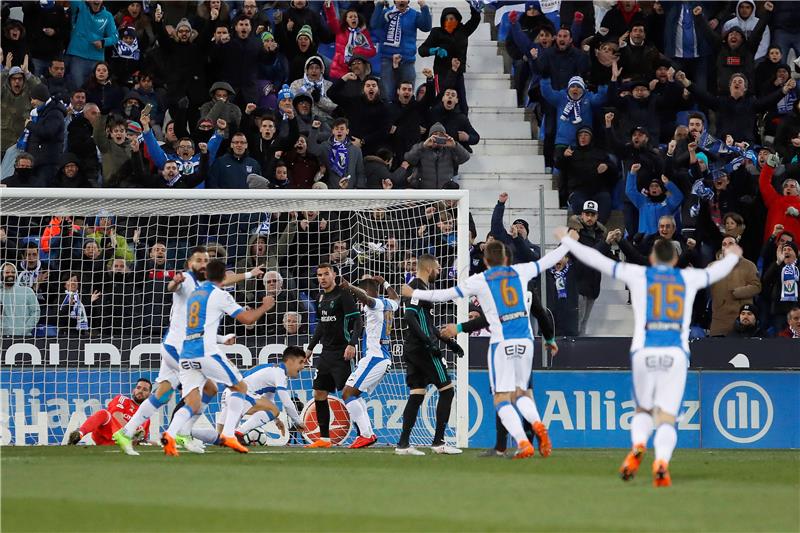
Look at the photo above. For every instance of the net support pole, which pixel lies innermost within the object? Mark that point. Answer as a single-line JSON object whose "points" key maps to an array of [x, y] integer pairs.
{"points": [[462, 363], [543, 277]]}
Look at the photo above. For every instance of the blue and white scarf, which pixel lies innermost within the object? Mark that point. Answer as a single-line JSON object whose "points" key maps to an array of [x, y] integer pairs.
{"points": [[790, 275], [127, 51], [355, 39], [339, 157], [560, 279], [76, 309], [310, 85], [27, 277], [394, 31], [22, 142]]}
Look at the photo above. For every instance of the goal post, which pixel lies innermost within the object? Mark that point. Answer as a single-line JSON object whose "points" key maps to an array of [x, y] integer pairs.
{"points": [[102, 307]]}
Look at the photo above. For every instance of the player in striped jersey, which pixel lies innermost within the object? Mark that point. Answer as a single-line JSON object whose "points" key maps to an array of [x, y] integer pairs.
{"points": [[501, 292], [662, 297], [181, 286], [376, 354]]}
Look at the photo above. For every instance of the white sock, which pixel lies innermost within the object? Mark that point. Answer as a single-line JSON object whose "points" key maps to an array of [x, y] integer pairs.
{"points": [[187, 427], [664, 442], [358, 414], [527, 408], [641, 428], [142, 414], [256, 421], [510, 419], [209, 436], [180, 418], [236, 407]]}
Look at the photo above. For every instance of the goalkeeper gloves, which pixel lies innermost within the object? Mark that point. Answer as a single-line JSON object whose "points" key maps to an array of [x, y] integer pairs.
{"points": [[455, 347]]}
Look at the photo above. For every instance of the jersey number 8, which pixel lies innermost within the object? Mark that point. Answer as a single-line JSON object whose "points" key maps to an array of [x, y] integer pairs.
{"points": [[194, 314], [509, 293]]}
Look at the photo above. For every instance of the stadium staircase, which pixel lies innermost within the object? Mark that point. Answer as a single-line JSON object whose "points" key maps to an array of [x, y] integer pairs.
{"points": [[508, 160]]}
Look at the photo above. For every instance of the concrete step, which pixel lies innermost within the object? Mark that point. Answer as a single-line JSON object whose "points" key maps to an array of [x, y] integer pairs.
{"points": [[489, 97], [501, 129], [485, 81], [500, 147], [527, 163], [599, 326], [610, 283], [612, 296], [528, 196], [512, 114]]}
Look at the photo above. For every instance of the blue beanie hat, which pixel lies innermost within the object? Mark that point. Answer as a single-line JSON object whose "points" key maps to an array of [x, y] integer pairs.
{"points": [[577, 80], [285, 93]]}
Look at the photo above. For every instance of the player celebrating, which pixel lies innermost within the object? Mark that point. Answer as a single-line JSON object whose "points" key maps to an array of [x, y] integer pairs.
{"points": [[338, 330], [662, 298], [501, 293], [200, 359], [181, 286], [425, 364], [117, 413], [376, 356]]}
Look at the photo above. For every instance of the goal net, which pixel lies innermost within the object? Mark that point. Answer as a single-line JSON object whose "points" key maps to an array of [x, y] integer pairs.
{"points": [[85, 306]]}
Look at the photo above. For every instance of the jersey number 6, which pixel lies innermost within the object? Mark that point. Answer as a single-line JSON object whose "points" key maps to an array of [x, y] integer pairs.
{"points": [[510, 296]]}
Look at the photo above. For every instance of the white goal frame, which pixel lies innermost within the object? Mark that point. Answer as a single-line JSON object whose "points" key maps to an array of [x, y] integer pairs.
{"points": [[51, 201]]}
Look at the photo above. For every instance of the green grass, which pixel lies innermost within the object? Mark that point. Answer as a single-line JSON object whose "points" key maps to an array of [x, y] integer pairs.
{"points": [[99, 489]]}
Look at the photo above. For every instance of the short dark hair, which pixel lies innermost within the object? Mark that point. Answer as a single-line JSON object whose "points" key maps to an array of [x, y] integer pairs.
{"points": [[326, 265], [293, 351], [239, 133], [406, 82], [59, 59], [697, 116], [663, 249], [146, 381], [215, 270], [339, 121], [385, 154], [494, 253], [197, 250]]}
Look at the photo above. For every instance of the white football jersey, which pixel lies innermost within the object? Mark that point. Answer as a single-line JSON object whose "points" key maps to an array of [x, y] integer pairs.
{"points": [[204, 310], [376, 339], [177, 313]]}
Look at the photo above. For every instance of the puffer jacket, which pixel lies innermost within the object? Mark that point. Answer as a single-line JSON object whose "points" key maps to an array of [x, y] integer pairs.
{"points": [[16, 109]]}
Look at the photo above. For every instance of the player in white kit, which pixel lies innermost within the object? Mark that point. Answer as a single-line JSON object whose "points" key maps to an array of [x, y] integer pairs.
{"points": [[376, 354], [662, 298], [501, 293], [201, 361], [181, 286]]}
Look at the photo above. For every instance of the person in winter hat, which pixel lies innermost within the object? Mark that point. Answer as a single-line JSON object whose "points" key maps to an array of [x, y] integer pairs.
{"points": [[316, 86], [574, 106]]}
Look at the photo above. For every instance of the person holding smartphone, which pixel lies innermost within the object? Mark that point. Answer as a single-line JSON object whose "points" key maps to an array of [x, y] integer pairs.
{"points": [[436, 160]]}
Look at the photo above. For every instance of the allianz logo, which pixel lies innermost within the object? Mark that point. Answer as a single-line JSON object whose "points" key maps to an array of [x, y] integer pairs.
{"points": [[579, 410], [743, 412]]}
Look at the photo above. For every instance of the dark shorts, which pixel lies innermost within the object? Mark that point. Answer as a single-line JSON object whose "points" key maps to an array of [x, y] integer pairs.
{"points": [[422, 369], [332, 371]]}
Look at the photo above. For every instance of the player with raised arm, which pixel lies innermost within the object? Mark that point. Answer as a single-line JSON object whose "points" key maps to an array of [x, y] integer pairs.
{"points": [[102, 424], [662, 297], [201, 361], [425, 364], [338, 330], [376, 354], [181, 286], [501, 292]]}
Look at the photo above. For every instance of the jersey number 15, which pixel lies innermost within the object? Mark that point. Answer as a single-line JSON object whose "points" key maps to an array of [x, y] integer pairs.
{"points": [[666, 301]]}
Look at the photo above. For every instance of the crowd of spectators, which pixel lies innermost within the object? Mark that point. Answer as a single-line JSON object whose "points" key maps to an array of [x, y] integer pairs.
{"points": [[683, 116]]}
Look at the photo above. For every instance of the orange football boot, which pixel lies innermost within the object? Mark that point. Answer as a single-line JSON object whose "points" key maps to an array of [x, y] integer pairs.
{"points": [[320, 444], [661, 477], [232, 443], [363, 442], [524, 450], [168, 442], [631, 463], [545, 446]]}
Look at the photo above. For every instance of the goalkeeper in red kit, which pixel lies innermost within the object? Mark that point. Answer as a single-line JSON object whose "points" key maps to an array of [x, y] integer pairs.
{"points": [[119, 410]]}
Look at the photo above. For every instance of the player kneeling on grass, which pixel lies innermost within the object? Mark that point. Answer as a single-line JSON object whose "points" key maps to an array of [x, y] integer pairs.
{"points": [[201, 360], [376, 355], [105, 422], [267, 381], [662, 297], [501, 292]]}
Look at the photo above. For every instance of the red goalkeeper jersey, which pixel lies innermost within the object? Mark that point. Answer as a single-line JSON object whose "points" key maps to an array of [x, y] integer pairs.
{"points": [[119, 404]]}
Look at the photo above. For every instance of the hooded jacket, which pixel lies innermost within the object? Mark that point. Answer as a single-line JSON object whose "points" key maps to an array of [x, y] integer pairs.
{"points": [[19, 308], [16, 109], [364, 45], [579, 171], [410, 21], [80, 141], [323, 105], [455, 42], [749, 25], [79, 181], [88, 27], [436, 165], [46, 141], [226, 110]]}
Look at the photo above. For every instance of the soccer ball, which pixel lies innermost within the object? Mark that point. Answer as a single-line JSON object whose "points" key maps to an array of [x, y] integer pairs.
{"points": [[255, 437]]}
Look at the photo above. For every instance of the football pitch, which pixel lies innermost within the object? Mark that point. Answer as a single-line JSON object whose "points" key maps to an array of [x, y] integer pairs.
{"points": [[281, 489]]}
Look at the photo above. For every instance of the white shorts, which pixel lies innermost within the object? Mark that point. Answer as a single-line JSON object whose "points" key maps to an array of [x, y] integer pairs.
{"points": [[659, 377], [368, 373], [510, 365], [223, 405], [169, 369], [216, 367]]}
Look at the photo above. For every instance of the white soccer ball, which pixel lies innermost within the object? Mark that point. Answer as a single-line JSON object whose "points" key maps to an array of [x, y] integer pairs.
{"points": [[255, 437]]}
